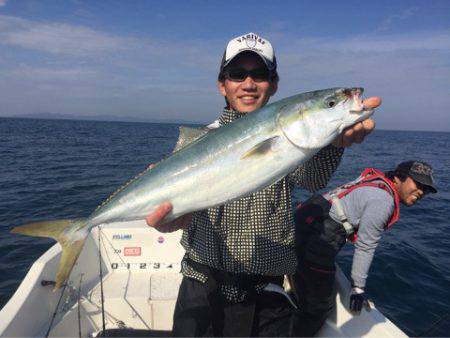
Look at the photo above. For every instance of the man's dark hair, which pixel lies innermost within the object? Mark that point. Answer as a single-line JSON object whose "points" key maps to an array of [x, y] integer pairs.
{"points": [[399, 173], [419, 171]]}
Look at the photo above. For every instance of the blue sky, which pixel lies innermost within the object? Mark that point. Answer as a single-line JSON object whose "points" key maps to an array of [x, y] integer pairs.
{"points": [[159, 59]]}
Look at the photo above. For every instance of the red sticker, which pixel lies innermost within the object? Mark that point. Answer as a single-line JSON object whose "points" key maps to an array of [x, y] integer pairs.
{"points": [[135, 251]]}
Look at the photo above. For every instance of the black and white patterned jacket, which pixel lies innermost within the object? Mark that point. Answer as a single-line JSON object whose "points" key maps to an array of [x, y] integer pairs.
{"points": [[255, 234]]}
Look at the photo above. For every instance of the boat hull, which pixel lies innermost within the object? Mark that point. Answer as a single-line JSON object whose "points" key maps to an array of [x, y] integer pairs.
{"points": [[140, 269]]}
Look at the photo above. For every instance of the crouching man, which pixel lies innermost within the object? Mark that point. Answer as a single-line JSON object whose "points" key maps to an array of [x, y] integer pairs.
{"points": [[359, 211]]}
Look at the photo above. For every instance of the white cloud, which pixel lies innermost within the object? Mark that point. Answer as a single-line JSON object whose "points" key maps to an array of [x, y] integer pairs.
{"points": [[411, 72], [324, 56], [36, 74], [58, 38], [395, 18], [84, 43], [397, 43], [81, 69], [412, 42]]}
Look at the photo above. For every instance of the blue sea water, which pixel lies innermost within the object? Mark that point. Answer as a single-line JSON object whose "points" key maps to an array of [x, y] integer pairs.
{"points": [[52, 169]]}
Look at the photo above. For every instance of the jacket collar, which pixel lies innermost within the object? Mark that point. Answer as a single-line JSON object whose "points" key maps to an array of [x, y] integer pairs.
{"points": [[229, 115]]}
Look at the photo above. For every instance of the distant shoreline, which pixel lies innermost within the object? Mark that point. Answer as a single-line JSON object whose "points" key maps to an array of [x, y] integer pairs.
{"points": [[99, 119], [137, 120]]}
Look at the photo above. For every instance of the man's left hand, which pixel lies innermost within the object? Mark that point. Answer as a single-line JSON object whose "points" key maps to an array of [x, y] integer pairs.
{"points": [[354, 134], [358, 299]]}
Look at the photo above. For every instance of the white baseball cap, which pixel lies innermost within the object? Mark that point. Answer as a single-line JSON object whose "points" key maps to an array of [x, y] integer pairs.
{"points": [[249, 42]]}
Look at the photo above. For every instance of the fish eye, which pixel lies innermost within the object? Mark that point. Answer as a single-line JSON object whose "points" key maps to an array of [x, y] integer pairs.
{"points": [[330, 102]]}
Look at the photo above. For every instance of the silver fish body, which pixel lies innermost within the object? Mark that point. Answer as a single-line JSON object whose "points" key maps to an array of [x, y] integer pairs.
{"points": [[210, 171], [214, 169], [225, 164]]}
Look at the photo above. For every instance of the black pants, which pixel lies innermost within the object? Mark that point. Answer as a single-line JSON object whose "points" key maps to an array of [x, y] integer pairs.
{"points": [[318, 241], [199, 314]]}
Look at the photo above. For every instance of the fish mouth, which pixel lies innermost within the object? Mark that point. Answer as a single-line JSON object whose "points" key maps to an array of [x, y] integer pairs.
{"points": [[358, 106], [360, 109], [355, 92], [354, 95]]}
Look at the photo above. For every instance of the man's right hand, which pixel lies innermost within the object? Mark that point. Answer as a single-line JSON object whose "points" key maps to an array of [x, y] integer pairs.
{"points": [[156, 219]]}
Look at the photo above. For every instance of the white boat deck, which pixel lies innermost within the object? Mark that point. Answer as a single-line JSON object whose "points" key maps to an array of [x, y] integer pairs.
{"points": [[140, 268]]}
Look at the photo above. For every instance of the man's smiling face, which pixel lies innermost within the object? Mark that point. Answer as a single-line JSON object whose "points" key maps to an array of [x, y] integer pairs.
{"points": [[409, 191], [247, 95]]}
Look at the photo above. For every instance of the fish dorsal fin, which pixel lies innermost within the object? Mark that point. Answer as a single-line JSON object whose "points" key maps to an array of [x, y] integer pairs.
{"points": [[189, 135], [262, 148]]}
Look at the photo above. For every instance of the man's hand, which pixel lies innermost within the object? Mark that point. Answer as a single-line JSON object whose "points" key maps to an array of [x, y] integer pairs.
{"points": [[358, 299], [156, 219], [354, 134], [357, 132]]}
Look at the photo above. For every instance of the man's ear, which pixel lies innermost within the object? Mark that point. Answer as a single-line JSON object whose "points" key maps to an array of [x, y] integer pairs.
{"points": [[397, 182], [221, 86], [273, 87]]}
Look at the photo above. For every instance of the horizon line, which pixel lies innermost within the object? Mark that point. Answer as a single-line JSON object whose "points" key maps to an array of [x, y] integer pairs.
{"points": [[162, 121]]}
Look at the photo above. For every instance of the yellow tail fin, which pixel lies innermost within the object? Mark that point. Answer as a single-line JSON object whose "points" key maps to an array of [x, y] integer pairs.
{"points": [[50, 229], [71, 242]]}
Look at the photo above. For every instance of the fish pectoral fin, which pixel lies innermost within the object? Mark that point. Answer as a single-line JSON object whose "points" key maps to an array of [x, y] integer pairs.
{"points": [[189, 135], [261, 148], [69, 256]]}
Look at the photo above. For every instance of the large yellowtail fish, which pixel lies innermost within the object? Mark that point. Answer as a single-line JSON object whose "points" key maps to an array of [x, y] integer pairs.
{"points": [[222, 165]]}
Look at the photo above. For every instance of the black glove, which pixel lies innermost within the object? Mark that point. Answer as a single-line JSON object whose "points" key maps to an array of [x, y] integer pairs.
{"points": [[358, 300]]}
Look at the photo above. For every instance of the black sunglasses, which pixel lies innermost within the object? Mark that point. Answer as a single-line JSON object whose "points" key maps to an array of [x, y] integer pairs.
{"points": [[240, 74]]}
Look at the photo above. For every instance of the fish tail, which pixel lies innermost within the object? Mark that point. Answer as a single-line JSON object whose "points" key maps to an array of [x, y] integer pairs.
{"points": [[68, 233]]}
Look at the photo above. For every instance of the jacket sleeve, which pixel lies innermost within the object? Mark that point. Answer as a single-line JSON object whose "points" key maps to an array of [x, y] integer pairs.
{"points": [[371, 226], [315, 174]]}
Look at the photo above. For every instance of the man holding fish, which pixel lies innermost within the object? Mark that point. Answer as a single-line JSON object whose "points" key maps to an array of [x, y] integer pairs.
{"points": [[230, 188], [237, 253]]}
